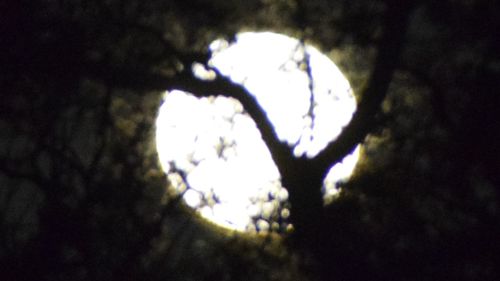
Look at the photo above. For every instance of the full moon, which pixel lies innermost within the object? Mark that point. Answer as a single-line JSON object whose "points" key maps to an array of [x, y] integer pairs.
{"points": [[212, 151]]}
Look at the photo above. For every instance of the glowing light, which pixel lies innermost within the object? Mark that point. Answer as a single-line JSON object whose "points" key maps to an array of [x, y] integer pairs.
{"points": [[218, 148]]}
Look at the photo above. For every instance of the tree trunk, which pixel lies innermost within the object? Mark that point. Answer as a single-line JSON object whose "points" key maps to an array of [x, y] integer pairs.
{"points": [[304, 183]]}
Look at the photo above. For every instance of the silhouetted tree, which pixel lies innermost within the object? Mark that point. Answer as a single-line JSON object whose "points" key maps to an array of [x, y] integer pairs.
{"points": [[83, 197]]}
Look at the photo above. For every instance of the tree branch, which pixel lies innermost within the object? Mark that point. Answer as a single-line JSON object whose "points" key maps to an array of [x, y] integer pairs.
{"points": [[374, 92], [223, 86], [135, 78]]}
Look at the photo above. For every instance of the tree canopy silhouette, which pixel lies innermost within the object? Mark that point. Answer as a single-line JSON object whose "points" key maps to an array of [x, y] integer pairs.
{"points": [[83, 197]]}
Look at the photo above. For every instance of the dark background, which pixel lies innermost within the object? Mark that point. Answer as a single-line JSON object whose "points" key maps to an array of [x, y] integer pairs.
{"points": [[82, 196]]}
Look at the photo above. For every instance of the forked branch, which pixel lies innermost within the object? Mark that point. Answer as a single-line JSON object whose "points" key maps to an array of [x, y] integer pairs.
{"points": [[363, 121]]}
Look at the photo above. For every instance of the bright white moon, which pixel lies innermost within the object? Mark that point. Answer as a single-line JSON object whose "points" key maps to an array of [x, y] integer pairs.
{"points": [[215, 146]]}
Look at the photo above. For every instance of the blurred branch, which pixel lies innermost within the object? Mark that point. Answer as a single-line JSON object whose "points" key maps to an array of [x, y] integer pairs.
{"points": [[135, 77], [307, 62], [374, 92], [141, 79], [223, 86]]}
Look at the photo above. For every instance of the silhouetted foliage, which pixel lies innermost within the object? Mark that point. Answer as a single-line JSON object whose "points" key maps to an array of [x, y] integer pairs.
{"points": [[82, 196]]}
